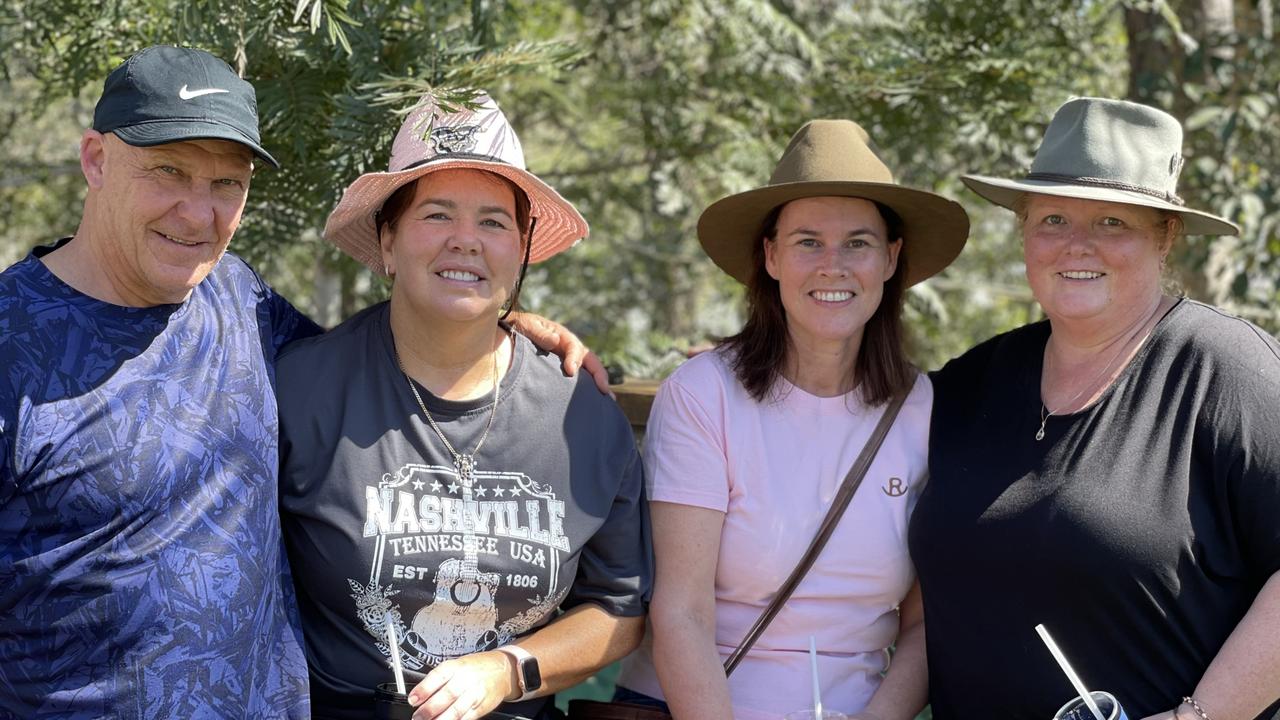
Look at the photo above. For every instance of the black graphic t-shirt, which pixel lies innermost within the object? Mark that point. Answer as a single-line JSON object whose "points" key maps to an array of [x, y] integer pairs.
{"points": [[377, 519], [1138, 531]]}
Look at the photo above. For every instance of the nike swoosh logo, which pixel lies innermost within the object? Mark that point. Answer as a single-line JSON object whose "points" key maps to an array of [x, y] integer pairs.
{"points": [[186, 94]]}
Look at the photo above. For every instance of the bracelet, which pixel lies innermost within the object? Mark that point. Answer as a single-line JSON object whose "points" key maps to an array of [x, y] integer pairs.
{"points": [[1188, 700]]}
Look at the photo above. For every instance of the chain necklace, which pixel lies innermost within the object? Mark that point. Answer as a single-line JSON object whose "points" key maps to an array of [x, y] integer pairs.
{"points": [[463, 463], [1046, 413]]}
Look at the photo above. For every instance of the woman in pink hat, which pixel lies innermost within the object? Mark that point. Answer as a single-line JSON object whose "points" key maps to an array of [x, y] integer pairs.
{"points": [[748, 447], [442, 483]]}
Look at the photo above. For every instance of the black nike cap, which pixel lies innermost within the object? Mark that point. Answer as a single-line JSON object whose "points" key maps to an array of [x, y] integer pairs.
{"points": [[167, 94]]}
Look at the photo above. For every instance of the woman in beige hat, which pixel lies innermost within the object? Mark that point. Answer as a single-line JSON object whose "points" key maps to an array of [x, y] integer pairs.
{"points": [[449, 500], [1112, 472], [747, 445]]}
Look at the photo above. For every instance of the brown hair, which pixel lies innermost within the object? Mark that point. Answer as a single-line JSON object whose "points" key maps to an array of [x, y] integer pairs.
{"points": [[398, 203], [759, 351]]}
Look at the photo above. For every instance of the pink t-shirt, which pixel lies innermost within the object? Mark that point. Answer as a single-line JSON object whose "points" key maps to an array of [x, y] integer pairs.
{"points": [[773, 469]]}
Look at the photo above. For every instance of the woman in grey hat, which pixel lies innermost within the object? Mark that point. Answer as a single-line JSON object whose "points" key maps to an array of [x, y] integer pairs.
{"points": [[748, 445], [1112, 472]]}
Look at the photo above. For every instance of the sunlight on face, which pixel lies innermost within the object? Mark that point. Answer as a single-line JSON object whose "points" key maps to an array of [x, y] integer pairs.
{"points": [[455, 252], [1089, 260], [164, 215]]}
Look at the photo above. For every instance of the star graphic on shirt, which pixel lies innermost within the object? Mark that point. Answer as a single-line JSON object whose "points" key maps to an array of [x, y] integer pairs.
{"points": [[435, 486], [499, 492], [515, 491], [481, 490], [453, 487], [417, 484]]}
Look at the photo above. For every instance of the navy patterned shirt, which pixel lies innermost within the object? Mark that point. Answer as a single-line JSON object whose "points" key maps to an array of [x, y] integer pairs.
{"points": [[141, 570]]}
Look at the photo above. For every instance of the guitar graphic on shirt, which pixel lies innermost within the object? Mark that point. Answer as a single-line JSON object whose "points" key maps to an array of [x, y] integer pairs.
{"points": [[462, 618]]}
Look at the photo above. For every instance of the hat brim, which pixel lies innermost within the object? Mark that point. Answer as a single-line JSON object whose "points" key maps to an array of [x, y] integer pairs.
{"points": [[351, 224], [163, 132], [934, 229], [1006, 193]]}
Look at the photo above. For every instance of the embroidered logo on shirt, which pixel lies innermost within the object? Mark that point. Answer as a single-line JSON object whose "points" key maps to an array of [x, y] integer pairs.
{"points": [[895, 488]]}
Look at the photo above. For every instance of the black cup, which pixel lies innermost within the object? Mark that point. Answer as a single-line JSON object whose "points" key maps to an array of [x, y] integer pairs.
{"points": [[389, 704]]}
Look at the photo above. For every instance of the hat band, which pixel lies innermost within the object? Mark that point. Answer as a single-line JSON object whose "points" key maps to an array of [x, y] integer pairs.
{"points": [[456, 156], [1109, 184]]}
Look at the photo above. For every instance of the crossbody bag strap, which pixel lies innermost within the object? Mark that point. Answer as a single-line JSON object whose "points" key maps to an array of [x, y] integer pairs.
{"points": [[851, 482]]}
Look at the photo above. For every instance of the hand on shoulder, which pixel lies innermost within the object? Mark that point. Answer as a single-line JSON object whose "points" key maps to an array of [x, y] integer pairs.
{"points": [[556, 338]]}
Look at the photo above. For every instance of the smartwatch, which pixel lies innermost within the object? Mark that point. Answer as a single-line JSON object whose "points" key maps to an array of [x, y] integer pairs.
{"points": [[527, 673]]}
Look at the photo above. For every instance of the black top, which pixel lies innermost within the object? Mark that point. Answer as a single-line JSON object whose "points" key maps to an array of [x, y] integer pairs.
{"points": [[1138, 531], [377, 520]]}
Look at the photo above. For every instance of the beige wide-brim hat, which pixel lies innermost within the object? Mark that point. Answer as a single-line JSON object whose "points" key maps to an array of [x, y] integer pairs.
{"points": [[432, 139], [833, 158], [1108, 150]]}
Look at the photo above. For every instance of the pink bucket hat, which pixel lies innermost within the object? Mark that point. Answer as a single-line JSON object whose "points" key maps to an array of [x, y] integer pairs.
{"points": [[432, 139]]}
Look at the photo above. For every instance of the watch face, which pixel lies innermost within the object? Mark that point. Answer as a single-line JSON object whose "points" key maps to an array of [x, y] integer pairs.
{"points": [[530, 676]]}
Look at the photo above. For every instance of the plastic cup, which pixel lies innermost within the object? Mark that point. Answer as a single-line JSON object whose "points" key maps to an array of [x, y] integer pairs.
{"points": [[389, 704], [809, 714], [1075, 709]]}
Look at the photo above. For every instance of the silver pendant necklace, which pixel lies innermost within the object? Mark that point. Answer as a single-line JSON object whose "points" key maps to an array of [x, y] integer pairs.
{"points": [[1046, 413], [463, 463]]}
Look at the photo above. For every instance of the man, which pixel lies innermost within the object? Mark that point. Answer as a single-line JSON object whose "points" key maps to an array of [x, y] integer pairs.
{"points": [[140, 564], [141, 571]]}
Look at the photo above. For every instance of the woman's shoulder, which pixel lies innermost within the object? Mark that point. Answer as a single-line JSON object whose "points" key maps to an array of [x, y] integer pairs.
{"points": [[706, 379], [1213, 330], [330, 360], [1013, 347], [921, 394], [912, 422], [713, 367], [350, 333], [1211, 337], [542, 382]]}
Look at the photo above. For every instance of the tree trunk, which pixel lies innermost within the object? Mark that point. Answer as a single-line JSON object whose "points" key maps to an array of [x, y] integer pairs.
{"points": [[1150, 55], [1160, 66], [1213, 24], [326, 294]]}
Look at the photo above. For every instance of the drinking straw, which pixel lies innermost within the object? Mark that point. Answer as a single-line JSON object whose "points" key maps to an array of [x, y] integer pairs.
{"points": [[813, 666], [395, 654], [1071, 674]]}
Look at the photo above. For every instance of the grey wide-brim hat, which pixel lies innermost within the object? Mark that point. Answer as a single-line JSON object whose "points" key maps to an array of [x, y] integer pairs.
{"points": [[1108, 150], [834, 158]]}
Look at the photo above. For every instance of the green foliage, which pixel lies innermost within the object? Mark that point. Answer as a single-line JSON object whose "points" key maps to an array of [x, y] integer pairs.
{"points": [[334, 15], [329, 77], [642, 112], [1223, 85]]}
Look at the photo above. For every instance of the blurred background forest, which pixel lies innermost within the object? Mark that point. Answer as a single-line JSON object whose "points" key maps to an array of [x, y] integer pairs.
{"points": [[643, 112]]}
